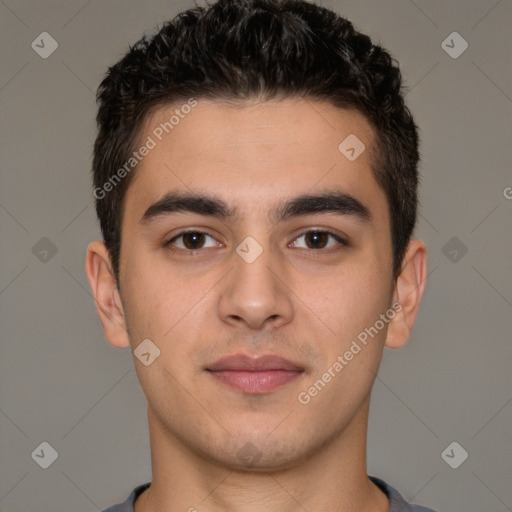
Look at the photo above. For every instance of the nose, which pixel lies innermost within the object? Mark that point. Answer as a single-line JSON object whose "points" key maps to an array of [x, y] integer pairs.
{"points": [[256, 294]]}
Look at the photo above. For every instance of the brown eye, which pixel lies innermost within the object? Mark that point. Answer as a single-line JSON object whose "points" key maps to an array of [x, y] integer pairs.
{"points": [[193, 240], [319, 240], [190, 241]]}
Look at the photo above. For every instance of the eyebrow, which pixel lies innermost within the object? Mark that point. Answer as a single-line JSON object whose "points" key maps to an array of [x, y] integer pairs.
{"points": [[340, 203]]}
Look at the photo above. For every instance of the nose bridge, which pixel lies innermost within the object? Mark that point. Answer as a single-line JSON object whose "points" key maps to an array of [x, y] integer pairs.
{"points": [[253, 269], [253, 291], [252, 275]]}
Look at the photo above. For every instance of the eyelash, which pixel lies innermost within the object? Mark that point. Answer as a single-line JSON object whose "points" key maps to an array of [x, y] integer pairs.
{"points": [[192, 252]]}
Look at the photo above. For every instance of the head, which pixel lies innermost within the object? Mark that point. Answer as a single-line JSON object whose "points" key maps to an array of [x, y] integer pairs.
{"points": [[260, 50], [241, 108]]}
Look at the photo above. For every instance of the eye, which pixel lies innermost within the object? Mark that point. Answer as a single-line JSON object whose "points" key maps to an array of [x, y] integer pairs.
{"points": [[317, 239], [190, 241]]}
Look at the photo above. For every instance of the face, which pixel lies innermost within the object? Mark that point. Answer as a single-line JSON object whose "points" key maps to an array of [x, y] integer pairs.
{"points": [[257, 281]]}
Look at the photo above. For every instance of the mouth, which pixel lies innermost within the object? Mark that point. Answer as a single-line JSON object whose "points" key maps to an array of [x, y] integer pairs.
{"points": [[254, 375]]}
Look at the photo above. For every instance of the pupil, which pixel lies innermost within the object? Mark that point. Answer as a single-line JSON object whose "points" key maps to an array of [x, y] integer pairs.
{"points": [[318, 237], [195, 236]]}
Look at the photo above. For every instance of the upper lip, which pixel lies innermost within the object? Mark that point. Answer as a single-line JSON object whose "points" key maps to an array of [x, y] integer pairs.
{"points": [[258, 363]]}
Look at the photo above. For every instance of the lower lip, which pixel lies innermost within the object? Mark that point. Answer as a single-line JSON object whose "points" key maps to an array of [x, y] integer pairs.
{"points": [[255, 382]]}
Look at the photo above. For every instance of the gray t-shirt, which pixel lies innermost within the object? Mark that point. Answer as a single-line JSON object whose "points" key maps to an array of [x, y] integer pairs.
{"points": [[398, 503]]}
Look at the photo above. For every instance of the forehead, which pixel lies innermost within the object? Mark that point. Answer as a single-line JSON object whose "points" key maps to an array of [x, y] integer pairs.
{"points": [[254, 154]]}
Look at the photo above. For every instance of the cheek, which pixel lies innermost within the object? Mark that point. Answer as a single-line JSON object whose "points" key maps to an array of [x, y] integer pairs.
{"points": [[148, 309], [351, 302], [149, 301], [170, 310], [349, 298]]}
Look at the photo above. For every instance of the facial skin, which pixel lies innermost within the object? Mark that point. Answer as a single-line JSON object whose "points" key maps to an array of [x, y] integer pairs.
{"points": [[304, 304]]}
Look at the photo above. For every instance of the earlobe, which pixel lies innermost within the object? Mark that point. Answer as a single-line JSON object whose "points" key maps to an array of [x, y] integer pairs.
{"points": [[106, 294], [408, 292]]}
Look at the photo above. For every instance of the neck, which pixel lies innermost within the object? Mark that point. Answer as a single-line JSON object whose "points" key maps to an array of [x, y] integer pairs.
{"points": [[333, 478]]}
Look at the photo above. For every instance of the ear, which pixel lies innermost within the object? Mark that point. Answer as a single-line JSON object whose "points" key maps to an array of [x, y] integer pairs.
{"points": [[407, 294], [106, 294]]}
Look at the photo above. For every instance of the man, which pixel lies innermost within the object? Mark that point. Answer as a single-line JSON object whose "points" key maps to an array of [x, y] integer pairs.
{"points": [[255, 176]]}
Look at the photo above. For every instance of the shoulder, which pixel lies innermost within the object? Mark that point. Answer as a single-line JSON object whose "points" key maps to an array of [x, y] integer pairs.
{"points": [[128, 504], [397, 501]]}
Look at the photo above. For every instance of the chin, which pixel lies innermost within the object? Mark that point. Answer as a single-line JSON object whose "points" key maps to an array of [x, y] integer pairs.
{"points": [[260, 453]]}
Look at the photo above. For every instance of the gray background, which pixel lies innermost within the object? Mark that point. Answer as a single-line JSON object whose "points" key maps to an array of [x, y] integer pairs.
{"points": [[62, 383]]}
